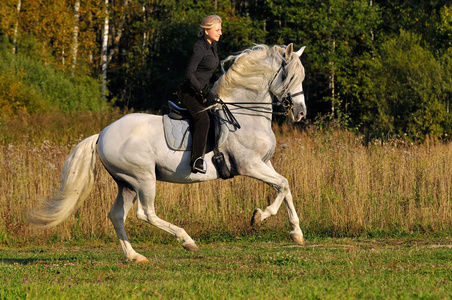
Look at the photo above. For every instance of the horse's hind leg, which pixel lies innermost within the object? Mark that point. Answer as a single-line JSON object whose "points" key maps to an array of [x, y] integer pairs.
{"points": [[118, 214], [267, 174], [146, 212]]}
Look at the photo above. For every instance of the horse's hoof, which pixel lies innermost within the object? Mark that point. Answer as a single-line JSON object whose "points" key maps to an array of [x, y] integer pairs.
{"points": [[137, 259], [256, 219], [190, 247], [142, 260], [298, 239]]}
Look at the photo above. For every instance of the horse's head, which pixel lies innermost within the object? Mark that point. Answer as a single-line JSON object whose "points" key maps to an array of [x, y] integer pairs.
{"points": [[279, 69], [286, 85]]}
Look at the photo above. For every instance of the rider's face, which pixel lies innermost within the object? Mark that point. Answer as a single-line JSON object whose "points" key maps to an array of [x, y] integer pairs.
{"points": [[214, 33]]}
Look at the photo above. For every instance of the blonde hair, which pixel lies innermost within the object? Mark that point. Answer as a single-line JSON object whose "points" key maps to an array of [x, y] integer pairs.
{"points": [[208, 23]]}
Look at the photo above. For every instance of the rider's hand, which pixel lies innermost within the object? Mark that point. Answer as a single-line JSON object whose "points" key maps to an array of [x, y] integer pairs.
{"points": [[211, 98]]}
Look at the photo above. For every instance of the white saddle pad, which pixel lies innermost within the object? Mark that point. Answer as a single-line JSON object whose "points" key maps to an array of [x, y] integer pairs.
{"points": [[178, 135]]}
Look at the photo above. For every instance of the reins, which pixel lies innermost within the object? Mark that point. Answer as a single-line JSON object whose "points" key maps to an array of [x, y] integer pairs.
{"points": [[286, 102]]}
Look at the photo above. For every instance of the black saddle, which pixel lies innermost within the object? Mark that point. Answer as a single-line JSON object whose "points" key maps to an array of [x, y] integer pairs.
{"points": [[177, 112]]}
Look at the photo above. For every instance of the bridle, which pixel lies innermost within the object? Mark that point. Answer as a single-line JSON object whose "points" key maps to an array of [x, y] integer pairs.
{"points": [[285, 101]]}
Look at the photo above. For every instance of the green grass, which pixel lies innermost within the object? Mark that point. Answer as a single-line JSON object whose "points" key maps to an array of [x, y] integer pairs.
{"points": [[260, 269]]}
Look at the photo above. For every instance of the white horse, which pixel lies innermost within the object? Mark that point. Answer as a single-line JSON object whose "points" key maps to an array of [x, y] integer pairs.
{"points": [[135, 153]]}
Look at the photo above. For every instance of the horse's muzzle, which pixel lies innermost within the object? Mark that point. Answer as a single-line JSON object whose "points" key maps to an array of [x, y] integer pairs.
{"points": [[298, 113]]}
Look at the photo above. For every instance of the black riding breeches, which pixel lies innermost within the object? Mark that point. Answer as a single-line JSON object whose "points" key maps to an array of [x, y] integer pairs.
{"points": [[199, 125]]}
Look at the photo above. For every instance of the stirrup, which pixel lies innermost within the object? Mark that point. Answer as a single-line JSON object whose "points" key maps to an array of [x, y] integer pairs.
{"points": [[196, 169]]}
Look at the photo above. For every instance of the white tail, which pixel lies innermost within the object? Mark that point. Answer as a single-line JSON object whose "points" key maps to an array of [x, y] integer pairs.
{"points": [[79, 173]]}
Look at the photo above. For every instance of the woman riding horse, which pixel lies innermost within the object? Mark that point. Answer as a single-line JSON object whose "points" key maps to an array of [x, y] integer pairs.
{"points": [[203, 62], [135, 152]]}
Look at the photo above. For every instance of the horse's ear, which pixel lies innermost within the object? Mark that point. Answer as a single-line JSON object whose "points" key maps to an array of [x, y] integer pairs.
{"points": [[299, 52], [289, 50]]}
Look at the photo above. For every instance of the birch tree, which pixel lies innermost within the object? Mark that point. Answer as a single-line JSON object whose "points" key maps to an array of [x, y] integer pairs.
{"points": [[16, 27], [105, 51], [75, 35], [119, 30]]}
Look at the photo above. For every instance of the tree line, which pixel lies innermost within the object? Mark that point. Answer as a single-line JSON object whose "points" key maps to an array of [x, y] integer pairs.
{"points": [[380, 67]]}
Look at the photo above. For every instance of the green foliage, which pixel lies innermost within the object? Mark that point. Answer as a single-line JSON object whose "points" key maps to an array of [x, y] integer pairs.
{"points": [[429, 19], [408, 90], [339, 40], [28, 83], [348, 49], [443, 30], [240, 34]]}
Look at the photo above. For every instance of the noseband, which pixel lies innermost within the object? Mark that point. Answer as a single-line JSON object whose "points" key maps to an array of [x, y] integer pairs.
{"points": [[286, 103]]}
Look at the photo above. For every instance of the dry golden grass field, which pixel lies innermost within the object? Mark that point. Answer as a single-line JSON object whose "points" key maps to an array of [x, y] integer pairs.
{"points": [[340, 186]]}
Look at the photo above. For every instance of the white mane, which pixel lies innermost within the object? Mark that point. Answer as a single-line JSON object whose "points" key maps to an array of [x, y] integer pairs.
{"points": [[252, 66]]}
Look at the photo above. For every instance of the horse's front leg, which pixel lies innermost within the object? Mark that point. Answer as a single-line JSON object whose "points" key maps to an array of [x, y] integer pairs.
{"points": [[267, 174]]}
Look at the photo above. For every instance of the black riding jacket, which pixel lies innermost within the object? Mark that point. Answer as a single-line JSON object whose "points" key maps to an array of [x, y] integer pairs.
{"points": [[203, 62]]}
